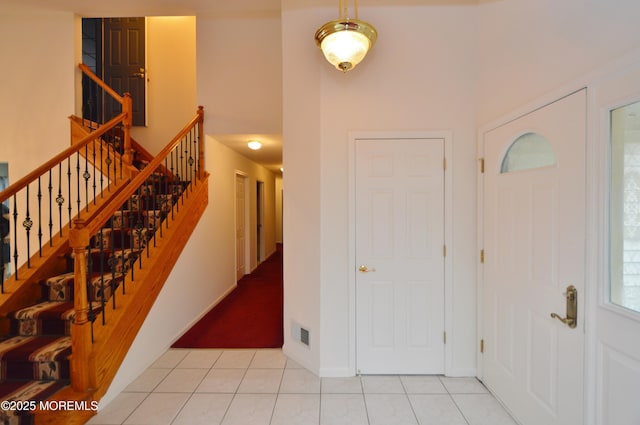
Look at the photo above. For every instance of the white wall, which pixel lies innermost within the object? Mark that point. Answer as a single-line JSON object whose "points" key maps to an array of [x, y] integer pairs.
{"points": [[240, 73], [528, 48], [171, 75], [37, 86], [205, 271], [37, 80], [419, 76]]}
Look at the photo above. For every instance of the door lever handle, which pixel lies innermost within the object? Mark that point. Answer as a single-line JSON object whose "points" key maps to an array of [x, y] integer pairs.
{"points": [[572, 308], [365, 269], [566, 320]]}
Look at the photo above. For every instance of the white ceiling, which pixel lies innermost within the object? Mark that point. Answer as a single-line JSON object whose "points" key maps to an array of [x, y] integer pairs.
{"points": [[99, 8]]}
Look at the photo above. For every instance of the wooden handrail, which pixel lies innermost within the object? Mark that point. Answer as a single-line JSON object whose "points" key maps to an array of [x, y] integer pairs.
{"points": [[127, 108], [101, 83], [33, 175], [141, 177]]}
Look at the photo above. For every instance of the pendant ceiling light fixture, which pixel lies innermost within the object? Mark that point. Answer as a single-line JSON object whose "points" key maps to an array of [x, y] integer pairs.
{"points": [[345, 41]]}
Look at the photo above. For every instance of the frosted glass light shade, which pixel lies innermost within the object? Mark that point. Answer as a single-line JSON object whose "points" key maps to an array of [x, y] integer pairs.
{"points": [[345, 42], [254, 145]]}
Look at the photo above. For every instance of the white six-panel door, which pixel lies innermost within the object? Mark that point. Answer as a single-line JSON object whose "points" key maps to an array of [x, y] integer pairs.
{"points": [[399, 185], [534, 243]]}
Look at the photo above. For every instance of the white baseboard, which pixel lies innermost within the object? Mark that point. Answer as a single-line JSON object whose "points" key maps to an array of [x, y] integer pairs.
{"points": [[338, 372]]}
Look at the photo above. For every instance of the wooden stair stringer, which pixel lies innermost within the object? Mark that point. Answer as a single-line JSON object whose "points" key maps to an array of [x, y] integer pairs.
{"points": [[113, 340]]}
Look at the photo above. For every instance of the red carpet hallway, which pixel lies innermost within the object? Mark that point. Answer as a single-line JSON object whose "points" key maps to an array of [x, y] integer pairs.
{"points": [[249, 317]]}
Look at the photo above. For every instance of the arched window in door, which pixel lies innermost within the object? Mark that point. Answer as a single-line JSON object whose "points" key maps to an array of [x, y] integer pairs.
{"points": [[531, 150]]}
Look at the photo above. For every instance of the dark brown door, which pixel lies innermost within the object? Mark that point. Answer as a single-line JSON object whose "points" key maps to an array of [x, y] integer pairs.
{"points": [[124, 63]]}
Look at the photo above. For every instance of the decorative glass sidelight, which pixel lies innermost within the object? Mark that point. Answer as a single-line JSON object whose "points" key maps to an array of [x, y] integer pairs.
{"points": [[624, 288], [530, 150]]}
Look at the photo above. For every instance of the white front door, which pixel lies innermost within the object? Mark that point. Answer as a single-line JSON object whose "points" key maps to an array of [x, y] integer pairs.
{"points": [[399, 246], [534, 249]]}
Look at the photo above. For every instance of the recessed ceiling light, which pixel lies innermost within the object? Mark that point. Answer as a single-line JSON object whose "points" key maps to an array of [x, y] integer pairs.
{"points": [[254, 144]]}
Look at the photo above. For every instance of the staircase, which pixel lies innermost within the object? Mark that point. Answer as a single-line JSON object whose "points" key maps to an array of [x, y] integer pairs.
{"points": [[35, 355], [73, 310]]}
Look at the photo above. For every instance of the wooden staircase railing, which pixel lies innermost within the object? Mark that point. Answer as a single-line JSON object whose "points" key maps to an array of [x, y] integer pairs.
{"points": [[82, 232], [100, 343], [95, 165]]}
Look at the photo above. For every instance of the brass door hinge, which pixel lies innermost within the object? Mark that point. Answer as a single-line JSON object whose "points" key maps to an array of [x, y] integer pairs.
{"points": [[482, 256], [444, 250], [444, 163], [482, 345], [481, 165], [444, 337]]}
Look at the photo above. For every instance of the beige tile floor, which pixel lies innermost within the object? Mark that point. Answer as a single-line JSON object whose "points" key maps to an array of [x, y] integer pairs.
{"points": [[263, 387]]}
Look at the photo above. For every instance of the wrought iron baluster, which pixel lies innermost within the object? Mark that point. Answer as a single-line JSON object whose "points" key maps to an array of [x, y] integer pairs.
{"points": [[120, 160], [86, 176], [102, 171], [157, 183], [27, 223], [91, 315], [50, 187], [167, 184], [39, 217], [78, 183], [113, 259], [69, 207], [60, 198], [197, 149], [102, 255], [15, 234], [128, 236], [109, 161], [93, 181], [192, 160], [175, 175]]}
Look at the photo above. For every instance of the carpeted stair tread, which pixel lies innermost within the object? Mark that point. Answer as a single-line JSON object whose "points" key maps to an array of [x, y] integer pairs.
{"points": [[25, 391], [35, 357], [60, 288], [46, 318]]}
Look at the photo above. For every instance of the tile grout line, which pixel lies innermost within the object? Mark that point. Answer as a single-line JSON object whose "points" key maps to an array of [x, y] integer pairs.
{"points": [[196, 387], [406, 394]]}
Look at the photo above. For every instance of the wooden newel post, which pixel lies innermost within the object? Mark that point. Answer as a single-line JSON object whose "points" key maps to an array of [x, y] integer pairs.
{"points": [[127, 106], [81, 328]]}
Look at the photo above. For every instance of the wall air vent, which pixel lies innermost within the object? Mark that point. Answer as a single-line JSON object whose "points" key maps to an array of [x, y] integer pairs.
{"points": [[300, 334], [304, 336]]}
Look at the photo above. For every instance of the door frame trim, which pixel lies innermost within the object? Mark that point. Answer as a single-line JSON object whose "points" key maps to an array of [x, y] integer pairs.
{"points": [[447, 137], [247, 222]]}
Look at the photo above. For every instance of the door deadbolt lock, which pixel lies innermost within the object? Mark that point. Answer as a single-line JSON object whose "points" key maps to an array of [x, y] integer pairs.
{"points": [[139, 74], [572, 308]]}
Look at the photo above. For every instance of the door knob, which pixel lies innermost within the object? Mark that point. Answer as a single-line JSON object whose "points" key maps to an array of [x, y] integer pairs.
{"points": [[365, 269], [572, 308]]}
